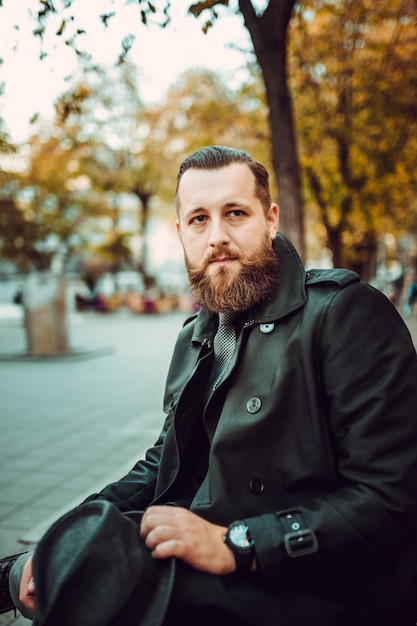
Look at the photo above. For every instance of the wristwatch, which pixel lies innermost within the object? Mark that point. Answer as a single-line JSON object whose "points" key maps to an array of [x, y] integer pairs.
{"points": [[241, 543]]}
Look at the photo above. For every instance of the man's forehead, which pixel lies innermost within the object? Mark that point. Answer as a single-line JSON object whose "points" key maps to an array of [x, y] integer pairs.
{"points": [[235, 174]]}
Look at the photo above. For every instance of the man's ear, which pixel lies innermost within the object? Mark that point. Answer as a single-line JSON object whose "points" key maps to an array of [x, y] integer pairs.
{"points": [[272, 220]]}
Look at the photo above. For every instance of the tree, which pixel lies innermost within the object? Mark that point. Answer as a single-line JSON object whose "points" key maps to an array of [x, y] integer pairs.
{"points": [[268, 31], [21, 239], [355, 85], [105, 107], [47, 204]]}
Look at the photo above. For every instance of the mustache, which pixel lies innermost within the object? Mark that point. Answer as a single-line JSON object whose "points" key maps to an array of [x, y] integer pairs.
{"points": [[218, 254]]}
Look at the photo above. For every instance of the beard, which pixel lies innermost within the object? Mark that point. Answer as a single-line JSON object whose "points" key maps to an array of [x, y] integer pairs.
{"points": [[231, 290]]}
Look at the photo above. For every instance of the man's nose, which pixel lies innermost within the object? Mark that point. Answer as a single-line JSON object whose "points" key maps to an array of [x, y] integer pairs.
{"points": [[218, 233]]}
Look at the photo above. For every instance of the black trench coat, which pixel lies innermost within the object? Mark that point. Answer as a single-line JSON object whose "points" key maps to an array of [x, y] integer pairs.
{"points": [[317, 418]]}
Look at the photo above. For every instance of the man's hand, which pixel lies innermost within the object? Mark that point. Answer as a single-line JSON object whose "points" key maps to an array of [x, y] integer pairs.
{"points": [[27, 586], [174, 531]]}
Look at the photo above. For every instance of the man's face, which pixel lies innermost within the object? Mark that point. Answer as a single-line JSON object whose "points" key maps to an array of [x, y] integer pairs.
{"points": [[226, 235]]}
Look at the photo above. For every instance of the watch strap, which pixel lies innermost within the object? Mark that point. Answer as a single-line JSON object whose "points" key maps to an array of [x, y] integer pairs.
{"points": [[243, 560]]}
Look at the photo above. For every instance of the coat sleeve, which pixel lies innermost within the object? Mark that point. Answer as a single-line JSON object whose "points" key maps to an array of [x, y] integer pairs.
{"points": [[368, 377], [135, 491]]}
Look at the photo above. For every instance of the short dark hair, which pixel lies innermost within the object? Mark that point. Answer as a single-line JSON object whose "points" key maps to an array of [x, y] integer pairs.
{"points": [[216, 157]]}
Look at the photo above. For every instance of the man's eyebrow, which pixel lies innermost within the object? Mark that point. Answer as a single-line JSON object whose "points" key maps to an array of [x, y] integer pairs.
{"points": [[237, 204], [194, 211]]}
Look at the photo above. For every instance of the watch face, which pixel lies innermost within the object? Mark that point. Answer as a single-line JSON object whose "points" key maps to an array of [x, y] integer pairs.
{"points": [[240, 537]]}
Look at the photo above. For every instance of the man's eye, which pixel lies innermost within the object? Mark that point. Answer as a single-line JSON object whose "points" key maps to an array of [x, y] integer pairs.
{"points": [[198, 219], [236, 213]]}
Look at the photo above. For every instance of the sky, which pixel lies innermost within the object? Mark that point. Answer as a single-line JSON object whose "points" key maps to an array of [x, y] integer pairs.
{"points": [[31, 85]]}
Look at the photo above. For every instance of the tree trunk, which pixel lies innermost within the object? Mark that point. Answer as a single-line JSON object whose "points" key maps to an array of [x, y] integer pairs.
{"points": [[268, 33], [334, 241], [144, 199], [45, 314]]}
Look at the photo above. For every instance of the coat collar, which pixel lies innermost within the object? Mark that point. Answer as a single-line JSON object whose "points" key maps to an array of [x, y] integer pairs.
{"points": [[289, 295]]}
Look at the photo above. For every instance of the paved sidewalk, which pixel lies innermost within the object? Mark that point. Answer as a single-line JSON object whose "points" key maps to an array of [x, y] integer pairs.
{"points": [[70, 425]]}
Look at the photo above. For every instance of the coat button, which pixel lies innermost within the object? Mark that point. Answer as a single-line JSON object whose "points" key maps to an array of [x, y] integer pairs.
{"points": [[266, 328], [256, 486], [253, 405]]}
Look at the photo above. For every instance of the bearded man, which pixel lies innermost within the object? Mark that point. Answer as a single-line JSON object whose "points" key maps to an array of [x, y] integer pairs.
{"points": [[282, 490]]}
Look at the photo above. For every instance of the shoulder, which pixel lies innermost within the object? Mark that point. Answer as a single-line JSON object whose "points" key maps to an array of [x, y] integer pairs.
{"points": [[334, 294], [339, 299], [339, 278], [323, 286]]}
